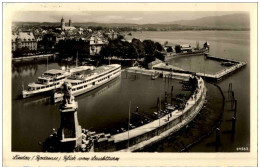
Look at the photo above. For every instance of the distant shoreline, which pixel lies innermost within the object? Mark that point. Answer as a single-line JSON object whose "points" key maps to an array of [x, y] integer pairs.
{"points": [[198, 30], [139, 27]]}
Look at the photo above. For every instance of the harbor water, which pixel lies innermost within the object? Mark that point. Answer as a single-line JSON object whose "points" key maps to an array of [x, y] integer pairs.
{"points": [[226, 44], [106, 108]]}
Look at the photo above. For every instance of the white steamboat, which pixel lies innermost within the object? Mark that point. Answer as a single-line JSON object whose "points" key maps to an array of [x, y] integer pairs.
{"points": [[86, 82], [51, 80]]}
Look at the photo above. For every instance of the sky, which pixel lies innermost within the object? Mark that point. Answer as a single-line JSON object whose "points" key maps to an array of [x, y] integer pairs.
{"points": [[142, 17]]}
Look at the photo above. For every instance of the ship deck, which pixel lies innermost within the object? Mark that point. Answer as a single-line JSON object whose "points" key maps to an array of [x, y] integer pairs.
{"points": [[36, 84], [89, 74], [80, 69]]}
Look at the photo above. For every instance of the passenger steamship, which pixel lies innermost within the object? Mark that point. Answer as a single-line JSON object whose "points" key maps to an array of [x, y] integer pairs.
{"points": [[51, 79], [86, 82]]}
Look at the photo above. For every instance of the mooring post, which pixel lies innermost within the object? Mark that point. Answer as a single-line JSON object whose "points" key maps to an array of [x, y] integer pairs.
{"points": [[171, 74], [185, 147], [217, 137], [206, 55], [165, 100], [229, 89], [232, 99], [233, 124], [137, 109], [186, 130], [158, 101], [235, 111], [171, 94]]}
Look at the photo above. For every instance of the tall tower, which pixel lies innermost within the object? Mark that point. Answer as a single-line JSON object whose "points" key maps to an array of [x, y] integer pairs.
{"points": [[70, 23], [70, 131], [62, 24]]}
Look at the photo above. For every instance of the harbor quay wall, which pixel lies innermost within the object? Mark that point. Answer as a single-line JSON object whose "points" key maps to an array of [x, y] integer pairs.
{"points": [[27, 58], [163, 131], [180, 75], [223, 73], [146, 136], [157, 129], [220, 59], [176, 55], [168, 58]]}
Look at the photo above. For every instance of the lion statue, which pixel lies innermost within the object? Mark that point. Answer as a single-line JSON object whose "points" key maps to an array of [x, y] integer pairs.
{"points": [[67, 90]]}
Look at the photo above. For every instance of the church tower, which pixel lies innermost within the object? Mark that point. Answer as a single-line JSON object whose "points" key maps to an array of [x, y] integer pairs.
{"points": [[62, 24], [70, 23]]}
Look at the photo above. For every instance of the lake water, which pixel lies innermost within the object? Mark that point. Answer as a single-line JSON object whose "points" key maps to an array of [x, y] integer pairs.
{"points": [[227, 44], [104, 109], [107, 107]]}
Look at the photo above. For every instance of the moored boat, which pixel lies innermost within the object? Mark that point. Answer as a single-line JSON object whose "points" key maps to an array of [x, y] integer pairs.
{"points": [[227, 64], [86, 82], [51, 80], [155, 75]]}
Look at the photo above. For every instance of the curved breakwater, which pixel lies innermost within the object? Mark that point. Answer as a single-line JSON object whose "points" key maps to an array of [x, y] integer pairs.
{"points": [[140, 137]]}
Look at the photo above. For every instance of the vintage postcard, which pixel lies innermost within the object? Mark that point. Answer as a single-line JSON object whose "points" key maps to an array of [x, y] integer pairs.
{"points": [[119, 84]]}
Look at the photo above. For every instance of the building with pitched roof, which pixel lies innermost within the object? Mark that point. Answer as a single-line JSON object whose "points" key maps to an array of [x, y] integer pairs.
{"points": [[96, 43], [24, 39]]}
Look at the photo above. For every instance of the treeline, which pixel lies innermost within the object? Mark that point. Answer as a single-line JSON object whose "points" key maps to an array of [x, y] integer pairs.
{"points": [[73, 48], [155, 27], [136, 49], [23, 52], [132, 27]]}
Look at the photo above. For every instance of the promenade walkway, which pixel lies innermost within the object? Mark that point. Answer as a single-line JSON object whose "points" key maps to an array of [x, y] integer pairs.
{"points": [[196, 101]]}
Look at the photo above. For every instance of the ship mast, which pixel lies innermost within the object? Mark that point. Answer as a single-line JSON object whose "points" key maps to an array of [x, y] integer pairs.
{"points": [[23, 85], [129, 121], [77, 60], [160, 112]]}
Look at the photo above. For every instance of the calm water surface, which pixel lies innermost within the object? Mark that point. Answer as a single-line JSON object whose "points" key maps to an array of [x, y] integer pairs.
{"points": [[227, 44], [104, 108]]}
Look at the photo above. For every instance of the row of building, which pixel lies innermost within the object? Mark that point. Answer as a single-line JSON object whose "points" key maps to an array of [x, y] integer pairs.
{"points": [[30, 40], [24, 39]]}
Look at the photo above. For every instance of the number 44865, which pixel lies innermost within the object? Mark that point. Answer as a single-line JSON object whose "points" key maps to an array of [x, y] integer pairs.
{"points": [[242, 149]]}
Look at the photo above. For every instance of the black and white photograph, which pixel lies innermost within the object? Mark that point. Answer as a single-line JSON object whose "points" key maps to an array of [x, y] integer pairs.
{"points": [[142, 81]]}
